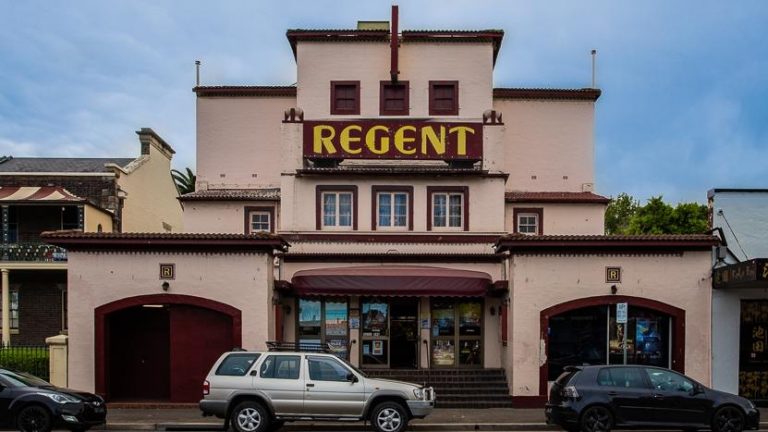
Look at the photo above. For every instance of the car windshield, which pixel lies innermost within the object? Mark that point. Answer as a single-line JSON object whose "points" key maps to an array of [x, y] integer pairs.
{"points": [[23, 379]]}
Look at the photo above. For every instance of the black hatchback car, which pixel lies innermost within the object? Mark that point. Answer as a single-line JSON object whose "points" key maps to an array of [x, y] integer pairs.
{"points": [[599, 398], [30, 404]]}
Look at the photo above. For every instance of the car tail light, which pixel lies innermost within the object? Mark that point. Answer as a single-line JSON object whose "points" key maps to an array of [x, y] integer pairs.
{"points": [[206, 387], [570, 392]]}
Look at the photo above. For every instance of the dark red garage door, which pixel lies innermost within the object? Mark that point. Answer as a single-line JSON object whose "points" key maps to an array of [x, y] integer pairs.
{"points": [[162, 352]]}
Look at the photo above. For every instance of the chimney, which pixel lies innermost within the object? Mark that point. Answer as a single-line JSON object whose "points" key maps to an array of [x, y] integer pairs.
{"points": [[149, 138]]}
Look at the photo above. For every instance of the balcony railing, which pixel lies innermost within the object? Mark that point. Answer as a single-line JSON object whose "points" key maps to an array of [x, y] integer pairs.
{"points": [[32, 252]]}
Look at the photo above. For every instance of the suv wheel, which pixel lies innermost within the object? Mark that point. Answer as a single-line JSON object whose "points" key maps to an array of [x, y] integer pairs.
{"points": [[250, 416], [389, 417]]}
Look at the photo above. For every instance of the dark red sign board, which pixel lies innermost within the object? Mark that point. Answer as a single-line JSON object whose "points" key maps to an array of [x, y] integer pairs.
{"points": [[388, 139]]}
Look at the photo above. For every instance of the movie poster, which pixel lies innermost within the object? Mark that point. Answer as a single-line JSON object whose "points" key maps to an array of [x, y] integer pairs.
{"points": [[443, 353], [470, 317], [375, 316]]}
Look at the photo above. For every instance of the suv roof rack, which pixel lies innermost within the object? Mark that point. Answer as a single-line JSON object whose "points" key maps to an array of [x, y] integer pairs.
{"points": [[299, 347]]}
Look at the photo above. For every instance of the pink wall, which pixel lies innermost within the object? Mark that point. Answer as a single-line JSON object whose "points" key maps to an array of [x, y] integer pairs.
{"points": [[583, 219], [242, 281], [539, 282], [239, 137], [220, 216]]}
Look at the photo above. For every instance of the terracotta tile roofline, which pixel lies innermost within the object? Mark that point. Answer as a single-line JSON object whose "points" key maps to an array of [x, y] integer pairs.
{"points": [[598, 243], [585, 94], [245, 91], [76, 240], [556, 197]]}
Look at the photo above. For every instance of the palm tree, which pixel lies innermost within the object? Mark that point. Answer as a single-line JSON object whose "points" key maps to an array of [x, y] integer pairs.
{"points": [[185, 182]]}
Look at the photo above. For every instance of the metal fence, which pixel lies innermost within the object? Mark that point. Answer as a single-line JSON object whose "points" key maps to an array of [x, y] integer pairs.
{"points": [[32, 359]]}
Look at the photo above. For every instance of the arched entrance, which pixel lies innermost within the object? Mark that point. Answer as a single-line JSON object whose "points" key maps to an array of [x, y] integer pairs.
{"points": [[585, 331], [160, 347]]}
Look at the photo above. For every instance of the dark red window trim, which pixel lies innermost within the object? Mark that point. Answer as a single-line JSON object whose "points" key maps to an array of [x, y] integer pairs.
{"points": [[432, 97], [353, 111], [334, 188], [431, 190], [247, 217], [375, 203], [534, 210], [406, 98]]}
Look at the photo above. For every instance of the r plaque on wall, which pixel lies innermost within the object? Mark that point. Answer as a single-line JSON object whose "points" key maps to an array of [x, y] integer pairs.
{"points": [[167, 271], [612, 274]]}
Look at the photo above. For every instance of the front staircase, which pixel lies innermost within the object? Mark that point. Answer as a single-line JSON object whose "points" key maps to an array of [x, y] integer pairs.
{"points": [[457, 388]]}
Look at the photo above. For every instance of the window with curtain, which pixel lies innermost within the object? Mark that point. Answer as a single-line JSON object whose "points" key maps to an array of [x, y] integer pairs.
{"points": [[392, 209], [337, 209], [448, 210]]}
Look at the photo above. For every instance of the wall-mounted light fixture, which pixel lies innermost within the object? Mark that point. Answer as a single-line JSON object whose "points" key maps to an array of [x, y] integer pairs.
{"points": [[492, 310], [166, 286], [614, 289]]}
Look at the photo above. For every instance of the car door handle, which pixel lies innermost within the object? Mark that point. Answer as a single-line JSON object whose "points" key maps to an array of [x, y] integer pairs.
{"points": [[612, 393], [310, 385], [658, 396]]}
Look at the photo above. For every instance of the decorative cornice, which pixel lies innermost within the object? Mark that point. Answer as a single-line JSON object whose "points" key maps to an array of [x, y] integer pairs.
{"points": [[245, 91]]}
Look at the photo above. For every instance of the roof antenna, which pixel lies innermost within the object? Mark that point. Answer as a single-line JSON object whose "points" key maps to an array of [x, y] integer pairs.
{"points": [[197, 72], [594, 57]]}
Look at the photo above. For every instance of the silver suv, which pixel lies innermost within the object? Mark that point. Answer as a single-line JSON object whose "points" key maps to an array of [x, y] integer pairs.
{"points": [[259, 391]]}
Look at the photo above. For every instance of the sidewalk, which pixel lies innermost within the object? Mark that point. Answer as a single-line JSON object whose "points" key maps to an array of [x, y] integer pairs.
{"points": [[441, 419]]}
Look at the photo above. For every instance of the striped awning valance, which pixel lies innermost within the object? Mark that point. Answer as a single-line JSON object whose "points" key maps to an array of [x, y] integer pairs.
{"points": [[37, 194]]}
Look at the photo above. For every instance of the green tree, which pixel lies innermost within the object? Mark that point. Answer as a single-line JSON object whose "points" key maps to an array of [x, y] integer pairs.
{"points": [[624, 215], [618, 213], [185, 181]]}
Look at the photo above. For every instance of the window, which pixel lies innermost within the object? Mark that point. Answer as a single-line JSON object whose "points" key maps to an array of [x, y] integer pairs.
{"points": [[336, 207], [528, 220], [236, 364], [326, 369], [324, 322], [14, 307], [345, 97], [280, 367], [669, 381], [621, 377], [393, 98], [448, 208], [392, 207], [443, 98], [259, 219]]}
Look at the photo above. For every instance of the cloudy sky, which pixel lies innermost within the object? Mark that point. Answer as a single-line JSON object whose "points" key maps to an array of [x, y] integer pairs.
{"points": [[685, 84]]}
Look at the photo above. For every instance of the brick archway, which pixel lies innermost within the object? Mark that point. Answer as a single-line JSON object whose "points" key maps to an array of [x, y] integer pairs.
{"points": [[677, 315], [102, 312]]}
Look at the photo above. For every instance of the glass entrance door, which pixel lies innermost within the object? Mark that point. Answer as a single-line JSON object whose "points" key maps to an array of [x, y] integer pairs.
{"points": [[390, 333], [457, 333]]}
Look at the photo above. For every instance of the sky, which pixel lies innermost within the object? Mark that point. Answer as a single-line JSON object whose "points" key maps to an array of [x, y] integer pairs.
{"points": [[685, 83]]}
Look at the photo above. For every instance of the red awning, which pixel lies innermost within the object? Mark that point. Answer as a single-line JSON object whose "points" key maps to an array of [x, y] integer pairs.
{"points": [[391, 281]]}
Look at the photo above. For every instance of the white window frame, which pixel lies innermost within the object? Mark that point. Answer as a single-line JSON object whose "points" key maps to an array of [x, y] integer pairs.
{"points": [[447, 226], [13, 300], [536, 226], [253, 213], [393, 227], [336, 225]]}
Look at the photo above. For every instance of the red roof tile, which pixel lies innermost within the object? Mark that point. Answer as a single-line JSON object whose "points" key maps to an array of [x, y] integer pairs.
{"points": [[555, 197], [589, 94], [241, 91], [75, 240], [272, 194], [521, 242]]}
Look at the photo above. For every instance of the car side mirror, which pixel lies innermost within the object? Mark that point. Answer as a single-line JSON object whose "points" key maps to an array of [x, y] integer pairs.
{"points": [[352, 378], [254, 373], [697, 389]]}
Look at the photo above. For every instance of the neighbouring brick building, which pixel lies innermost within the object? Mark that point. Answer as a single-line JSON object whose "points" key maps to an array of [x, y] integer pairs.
{"points": [[85, 194]]}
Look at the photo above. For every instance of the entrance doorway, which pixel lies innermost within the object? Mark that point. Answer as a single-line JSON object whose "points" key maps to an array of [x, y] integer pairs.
{"points": [[390, 333], [405, 335]]}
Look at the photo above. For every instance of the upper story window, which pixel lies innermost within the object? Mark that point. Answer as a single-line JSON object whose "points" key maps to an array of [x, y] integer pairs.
{"points": [[443, 98], [393, 98], [337, 207], [392, 207], [259, 219], [528, 220], [448, 208], [345, 97]]}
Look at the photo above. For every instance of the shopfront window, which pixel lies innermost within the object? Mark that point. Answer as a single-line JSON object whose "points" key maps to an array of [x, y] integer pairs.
{"points": [[375, 314], [324, 322], [456, 333], [591, 336], [753, 350]]}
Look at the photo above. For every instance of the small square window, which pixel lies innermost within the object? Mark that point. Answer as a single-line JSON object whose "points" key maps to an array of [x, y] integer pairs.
{"points": [[528, 221], [260, 221], [393, 98], [345, 97], [443, 98]]}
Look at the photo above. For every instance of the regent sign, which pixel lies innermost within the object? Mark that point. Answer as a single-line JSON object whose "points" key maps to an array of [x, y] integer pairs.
{"points": [[372, 139]]}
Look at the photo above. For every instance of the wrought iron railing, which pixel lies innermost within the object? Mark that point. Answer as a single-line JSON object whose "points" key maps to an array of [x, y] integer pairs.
{"points": [[32, 359], [36, 252]]}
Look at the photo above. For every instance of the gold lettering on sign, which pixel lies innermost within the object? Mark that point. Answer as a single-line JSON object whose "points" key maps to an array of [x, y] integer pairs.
{"points": [[324, 141], [428, 135], [765, 271], [461, 138], [401, 140], [345, 139], [370, 140]]}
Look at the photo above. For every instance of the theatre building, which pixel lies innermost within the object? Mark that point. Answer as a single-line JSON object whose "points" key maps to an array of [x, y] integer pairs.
{"points": [[434, 221]]}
